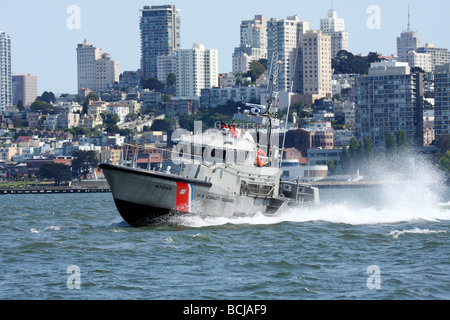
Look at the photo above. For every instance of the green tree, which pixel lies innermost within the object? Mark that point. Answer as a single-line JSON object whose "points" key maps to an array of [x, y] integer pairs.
{"points": [[162, 125], [345, 160], [390, 144], [171, 80], [132, 116], [444, 163], [355, 153], [20, 105], [347, 62], [44, 107], [152, 84], [368, 149], [401, 142], [57, 171], [48, 97], [83, 162], [443, 142], [331, 167], [256, 69]]}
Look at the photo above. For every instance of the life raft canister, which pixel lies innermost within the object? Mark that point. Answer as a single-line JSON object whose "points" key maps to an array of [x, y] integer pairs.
{"points": [[261, 158]]}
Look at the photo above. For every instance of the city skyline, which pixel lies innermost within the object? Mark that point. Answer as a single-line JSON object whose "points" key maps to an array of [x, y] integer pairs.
{"points": [[48, 49]]}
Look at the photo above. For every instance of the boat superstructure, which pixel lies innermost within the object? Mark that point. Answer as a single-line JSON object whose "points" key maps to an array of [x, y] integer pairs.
{"points": [[222, 172], [213, 173]]}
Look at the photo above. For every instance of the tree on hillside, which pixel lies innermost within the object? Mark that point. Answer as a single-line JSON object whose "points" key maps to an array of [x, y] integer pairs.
{"points": [[48, 97], [44, 107], [347, 63], [171, 80], [57, 171], [152, 84], [162, 125], [256, 69], [83, 162]]}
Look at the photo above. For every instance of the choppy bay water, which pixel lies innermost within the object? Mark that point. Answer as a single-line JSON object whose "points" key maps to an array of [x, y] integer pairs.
{"points": [[381, 243]]}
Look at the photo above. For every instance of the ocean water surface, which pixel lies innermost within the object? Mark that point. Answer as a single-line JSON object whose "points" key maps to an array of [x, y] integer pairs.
{"points": [[388, 243]]}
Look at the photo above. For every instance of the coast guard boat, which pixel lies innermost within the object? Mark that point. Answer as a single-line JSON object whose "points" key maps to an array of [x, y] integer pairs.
{"points": [[220, 173]]}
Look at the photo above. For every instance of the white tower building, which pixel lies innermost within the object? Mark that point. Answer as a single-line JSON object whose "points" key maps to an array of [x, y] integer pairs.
{"points": [[335, 27], [197, 69], [5, 70]]}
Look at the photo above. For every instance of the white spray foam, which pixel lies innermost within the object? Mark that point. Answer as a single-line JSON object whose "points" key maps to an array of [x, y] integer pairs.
{"points": [[396, 233], [402, 198]]}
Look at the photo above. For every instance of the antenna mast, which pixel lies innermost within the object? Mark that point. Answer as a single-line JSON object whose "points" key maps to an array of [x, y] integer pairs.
{"points": [[409, 20]]}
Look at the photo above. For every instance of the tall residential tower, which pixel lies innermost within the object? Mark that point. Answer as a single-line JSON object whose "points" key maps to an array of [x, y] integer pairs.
{"points": [[335, 27], [284, 41], [24, 89], [160, 35], [197, 69], [96, 71], [389, 99], [5, 70]]}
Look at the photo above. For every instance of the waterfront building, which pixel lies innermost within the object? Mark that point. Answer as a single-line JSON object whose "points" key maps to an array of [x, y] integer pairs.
{"points": [[197, 69], [442, 100], [389, 99], [24, 88], [160, 35], [5, 70], [96, 71], [335, 28]]}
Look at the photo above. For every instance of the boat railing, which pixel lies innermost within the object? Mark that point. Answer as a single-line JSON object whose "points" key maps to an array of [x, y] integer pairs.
{"points": [[144, 156]]}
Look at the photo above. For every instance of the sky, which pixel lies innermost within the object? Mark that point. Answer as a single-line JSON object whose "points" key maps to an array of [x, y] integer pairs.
{"points": [[45, 33]]}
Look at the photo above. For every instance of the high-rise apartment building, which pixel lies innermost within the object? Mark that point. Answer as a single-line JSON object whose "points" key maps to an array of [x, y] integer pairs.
{"points": [[408, 41], [284, 42], [24, 89], [438, 56], [197, 69], [5, 70], [160, 35], [96, 71], [420, 60], [442, 100], [254, 34], [253, 45], [107, 73], [389, 99], [166, 64], [335, 27], [316, 61], [243, 55]]}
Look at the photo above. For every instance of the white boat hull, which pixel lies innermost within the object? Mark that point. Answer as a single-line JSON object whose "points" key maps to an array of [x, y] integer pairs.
{"points": [[145, 198]]}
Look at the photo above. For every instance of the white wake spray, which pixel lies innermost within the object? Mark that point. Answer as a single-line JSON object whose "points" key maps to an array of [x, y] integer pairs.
{"points": [[418, 195]]}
